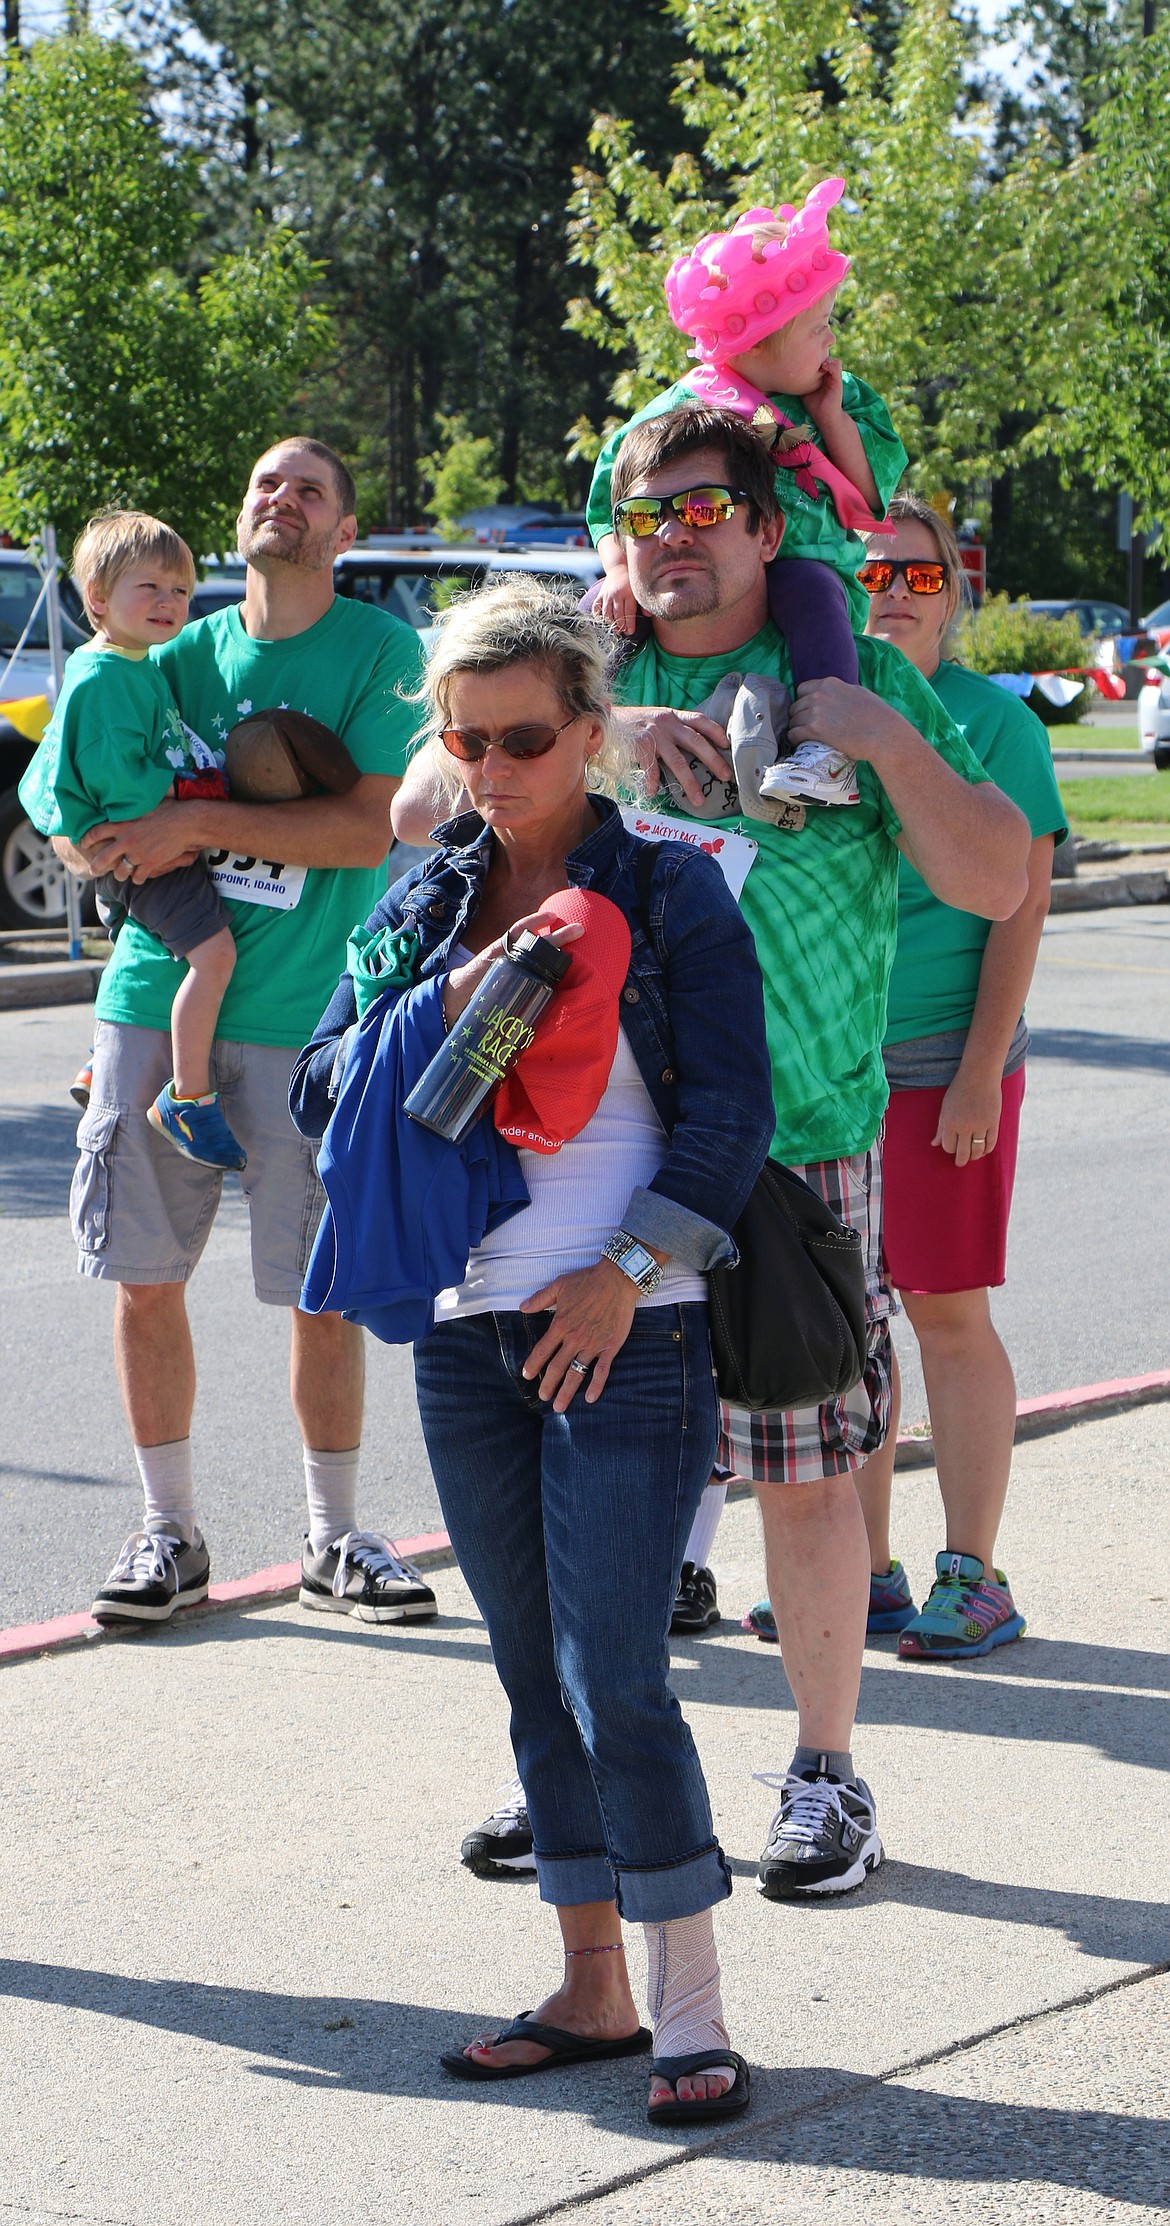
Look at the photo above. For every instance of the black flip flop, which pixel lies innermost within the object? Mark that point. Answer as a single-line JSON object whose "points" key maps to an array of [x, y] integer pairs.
{"points": [[565, 2048], [726, 2105]]}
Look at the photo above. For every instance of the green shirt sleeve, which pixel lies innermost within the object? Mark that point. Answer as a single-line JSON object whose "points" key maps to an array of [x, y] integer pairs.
{"points": [[884, 451], [102, 753], [1010, 742]]}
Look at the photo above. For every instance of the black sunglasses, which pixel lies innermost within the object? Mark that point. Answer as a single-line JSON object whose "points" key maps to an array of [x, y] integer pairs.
{"points": [[534, 741], [641, 515]]}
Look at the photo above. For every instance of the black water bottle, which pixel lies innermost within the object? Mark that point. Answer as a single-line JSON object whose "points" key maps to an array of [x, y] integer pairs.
{"points": [[492, 1030]]}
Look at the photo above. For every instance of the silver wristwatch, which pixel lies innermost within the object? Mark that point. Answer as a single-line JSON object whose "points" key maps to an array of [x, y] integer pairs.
{"points": [[631, 1256]]}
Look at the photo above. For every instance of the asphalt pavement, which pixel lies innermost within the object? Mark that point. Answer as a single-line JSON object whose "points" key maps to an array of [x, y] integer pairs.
{"points": [[237, 1936], [1084, 1302]]}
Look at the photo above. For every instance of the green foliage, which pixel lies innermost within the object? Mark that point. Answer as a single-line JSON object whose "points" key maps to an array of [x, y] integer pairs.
{"points": [[1104, 249], [119, 380], [424, 150], [462, 475], [1005, 637], [784, 94]]}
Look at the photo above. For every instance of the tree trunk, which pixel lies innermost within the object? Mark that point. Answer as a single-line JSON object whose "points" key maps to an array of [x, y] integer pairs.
{"points": [[12, 22], [512, 400]]}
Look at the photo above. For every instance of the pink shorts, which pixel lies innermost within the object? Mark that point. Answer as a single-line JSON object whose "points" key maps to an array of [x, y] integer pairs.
{"points": [[946, 1226]]}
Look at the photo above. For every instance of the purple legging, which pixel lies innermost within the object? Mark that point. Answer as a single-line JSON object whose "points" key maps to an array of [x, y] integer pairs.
{"points": [[807, 602]]}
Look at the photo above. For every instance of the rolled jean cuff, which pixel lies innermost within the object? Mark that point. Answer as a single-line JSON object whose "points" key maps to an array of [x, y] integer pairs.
{"points": [[690, 1239], [651, 1896]]}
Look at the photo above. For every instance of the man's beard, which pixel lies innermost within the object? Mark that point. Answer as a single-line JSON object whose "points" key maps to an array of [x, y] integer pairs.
{"points": [[309, 551], [694, 596]]}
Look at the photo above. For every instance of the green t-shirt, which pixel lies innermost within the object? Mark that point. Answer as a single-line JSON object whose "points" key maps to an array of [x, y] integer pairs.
{"points": [[111, 749], [811, 525], [940, 951], [351, 670], [821, 901]]}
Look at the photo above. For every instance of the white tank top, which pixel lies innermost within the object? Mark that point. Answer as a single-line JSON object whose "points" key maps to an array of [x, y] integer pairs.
{"points": [[579, 1195]]}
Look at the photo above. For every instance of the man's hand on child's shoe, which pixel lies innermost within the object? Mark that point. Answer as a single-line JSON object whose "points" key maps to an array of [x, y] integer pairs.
{"points": [[615, 601]]}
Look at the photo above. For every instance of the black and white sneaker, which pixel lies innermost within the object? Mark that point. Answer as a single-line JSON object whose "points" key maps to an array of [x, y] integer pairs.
{"points": [[823, 1840], [361, 1575], [501, 1847], [696, 1605], [156, 1572]]}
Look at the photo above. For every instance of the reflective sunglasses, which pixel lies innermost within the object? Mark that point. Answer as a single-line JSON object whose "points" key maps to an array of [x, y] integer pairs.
{"points": [[535, 741], [641, 515], [921, 576]]}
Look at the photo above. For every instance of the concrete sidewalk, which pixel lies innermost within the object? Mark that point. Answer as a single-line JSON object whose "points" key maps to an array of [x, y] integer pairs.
{"points": [[237, 1935]]}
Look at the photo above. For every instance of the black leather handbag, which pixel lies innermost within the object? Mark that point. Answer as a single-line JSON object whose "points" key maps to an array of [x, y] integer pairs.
{"points": [[787, 1323]]}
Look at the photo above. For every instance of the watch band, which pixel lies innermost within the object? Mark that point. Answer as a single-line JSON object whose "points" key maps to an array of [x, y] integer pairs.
{"points": [[635, 1260]]}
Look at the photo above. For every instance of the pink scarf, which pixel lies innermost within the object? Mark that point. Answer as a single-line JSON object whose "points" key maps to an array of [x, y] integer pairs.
{"points": [[723, 389]]}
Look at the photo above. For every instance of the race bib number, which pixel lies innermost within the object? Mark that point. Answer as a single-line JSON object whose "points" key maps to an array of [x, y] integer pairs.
{"points": [[256, 880], [735, 855]]}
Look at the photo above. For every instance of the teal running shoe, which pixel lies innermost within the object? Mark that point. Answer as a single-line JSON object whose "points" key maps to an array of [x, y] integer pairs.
{"points": [[891, 1603], [196, 1127], [891, 1607], [965, 1615]]}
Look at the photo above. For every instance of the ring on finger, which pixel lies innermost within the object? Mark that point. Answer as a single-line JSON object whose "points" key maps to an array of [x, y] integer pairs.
{"points": [[582, 1366]]}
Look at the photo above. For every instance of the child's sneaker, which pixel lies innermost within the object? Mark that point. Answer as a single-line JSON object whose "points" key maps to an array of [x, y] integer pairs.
{"points": [[891, 1604], [196, 1127], [82, 1083], [965, 1615], [814, 774]]}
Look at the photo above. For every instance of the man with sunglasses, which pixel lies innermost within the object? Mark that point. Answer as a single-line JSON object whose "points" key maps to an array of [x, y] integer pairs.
{"points": [[300, 875], [695, 507]]}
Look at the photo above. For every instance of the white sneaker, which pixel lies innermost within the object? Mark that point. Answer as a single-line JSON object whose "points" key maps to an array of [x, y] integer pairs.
{"points": [[814, 774]]}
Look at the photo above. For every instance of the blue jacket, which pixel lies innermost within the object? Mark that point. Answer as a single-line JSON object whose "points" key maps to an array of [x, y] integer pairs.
{"points": [[692, 1009], [405, 1206]]}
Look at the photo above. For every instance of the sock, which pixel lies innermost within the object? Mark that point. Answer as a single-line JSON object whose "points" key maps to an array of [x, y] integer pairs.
{"points": [[331, 1486], [168, 1488], [823, 1763], [682, 1987], [706, 1523]]}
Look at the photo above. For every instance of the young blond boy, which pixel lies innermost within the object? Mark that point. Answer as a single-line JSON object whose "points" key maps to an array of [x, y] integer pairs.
{"points": [[114, 748]]}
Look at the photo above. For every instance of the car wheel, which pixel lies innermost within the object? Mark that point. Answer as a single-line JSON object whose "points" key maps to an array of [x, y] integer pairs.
{"points": [[32, 878]]}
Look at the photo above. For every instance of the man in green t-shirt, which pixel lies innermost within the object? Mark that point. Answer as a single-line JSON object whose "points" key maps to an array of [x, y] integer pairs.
{"points": [[295, 877], [821, 898]]}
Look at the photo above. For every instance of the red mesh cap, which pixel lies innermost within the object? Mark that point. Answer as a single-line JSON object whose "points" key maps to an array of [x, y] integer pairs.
{"points": [[555, 1086]]}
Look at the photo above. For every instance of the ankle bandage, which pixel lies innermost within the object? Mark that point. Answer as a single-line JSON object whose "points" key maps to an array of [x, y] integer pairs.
{"points": [[683, 1995]]}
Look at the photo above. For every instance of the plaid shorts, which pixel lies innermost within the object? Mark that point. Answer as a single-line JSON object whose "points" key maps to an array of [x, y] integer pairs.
{"points": [[806, 1443]]}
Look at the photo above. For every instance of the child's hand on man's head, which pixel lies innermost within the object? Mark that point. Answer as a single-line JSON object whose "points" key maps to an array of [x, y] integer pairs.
{"points": [[615, 600], [825, 401]]}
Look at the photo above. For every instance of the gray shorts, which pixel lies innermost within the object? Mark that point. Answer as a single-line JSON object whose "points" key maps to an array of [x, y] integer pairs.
{"points": [[141, 1213], [183, 908]]}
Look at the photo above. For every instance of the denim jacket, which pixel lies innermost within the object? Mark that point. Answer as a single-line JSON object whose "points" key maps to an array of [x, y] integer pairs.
{"points": [[692, 1007]]}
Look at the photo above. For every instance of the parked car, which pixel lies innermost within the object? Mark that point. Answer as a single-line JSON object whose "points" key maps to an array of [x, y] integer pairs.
{"points": [[32, 879], [1095, 619], [412, 583]]}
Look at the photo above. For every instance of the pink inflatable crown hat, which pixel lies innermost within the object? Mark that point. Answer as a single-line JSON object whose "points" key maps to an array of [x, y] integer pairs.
{"points": [[736, 287]]}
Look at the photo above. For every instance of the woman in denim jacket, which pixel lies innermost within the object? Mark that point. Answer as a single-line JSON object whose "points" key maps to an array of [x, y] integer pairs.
{"points": [[566, 1390]]}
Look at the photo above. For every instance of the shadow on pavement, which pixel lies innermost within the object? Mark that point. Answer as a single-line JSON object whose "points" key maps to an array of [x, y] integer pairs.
{"points": [[1088, 1047], [905, 2133], [1035, 1691]]}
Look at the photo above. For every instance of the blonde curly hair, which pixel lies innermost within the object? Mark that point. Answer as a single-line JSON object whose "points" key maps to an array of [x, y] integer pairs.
{"points": [[525, 620]]}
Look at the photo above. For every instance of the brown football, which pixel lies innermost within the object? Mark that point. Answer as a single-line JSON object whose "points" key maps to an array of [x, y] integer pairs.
{"points": [[276, 756]]}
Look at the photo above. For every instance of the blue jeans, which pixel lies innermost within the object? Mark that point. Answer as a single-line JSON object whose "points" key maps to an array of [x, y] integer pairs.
{"points": [[570, 1530]]}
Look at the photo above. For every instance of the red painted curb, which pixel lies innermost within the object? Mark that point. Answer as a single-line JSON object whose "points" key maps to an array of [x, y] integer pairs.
{"points": [[1035, 1418]]}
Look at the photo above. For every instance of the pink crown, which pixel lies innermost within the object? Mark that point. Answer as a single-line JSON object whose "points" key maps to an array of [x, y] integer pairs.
{"points": [[734, 287]]}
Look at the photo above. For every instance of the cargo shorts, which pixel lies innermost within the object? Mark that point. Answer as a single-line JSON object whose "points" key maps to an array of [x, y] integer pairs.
{"points": [[141, 1213]]}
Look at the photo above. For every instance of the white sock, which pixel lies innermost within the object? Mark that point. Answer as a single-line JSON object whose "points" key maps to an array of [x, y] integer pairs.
{"points": [[682, 1987], [331, 1486], [168, 1487], [706, 1523]]}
